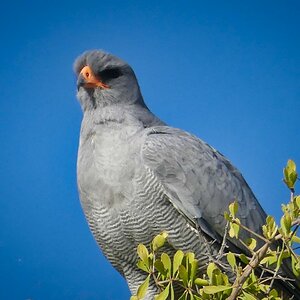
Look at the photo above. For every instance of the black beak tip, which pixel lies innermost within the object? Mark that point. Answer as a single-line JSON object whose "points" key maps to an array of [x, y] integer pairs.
{"points": [[80, 82]]}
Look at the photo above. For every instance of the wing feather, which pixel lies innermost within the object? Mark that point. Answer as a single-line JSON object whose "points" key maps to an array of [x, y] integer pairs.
{"points": [[199, 181]]}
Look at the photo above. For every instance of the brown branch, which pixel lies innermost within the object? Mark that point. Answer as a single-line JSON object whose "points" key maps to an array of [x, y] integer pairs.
{"points": [[254, 262]]}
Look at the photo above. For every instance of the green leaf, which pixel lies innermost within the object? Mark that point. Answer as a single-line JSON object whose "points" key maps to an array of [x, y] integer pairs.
{"points": [[159, 241], [253, 276], [183, 274], [297, 200], [227, 216], [296, 265], [270, 221], [141, 265], [265, 231], [270, 229], [251, 243], [213, 289], [190, 256], [194, 267], [231, 231], [296, 239], [244, 258], [290, 175], [177, 260], [166, 260], [231, 260], [210, 269], [191, 265], [248, 296], [270, 259], [201, 282], [234, 230], [233, 208], [273, 293], [279, 261], [143, 254], [164, 234], [159, 266], [286, 223], [291, 165], [225, 279], [264, 287], [164, 294], [143, 288]]}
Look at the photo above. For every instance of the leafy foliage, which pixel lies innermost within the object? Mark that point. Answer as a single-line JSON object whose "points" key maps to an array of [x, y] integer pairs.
{"points": [[254, 274]]}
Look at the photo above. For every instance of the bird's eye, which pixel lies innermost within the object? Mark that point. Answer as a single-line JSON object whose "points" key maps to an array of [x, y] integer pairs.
{"points": [[87, 74], [109, 74]]}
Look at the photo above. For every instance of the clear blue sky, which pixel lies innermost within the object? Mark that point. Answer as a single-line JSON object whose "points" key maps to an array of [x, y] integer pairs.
{"points": [[227, 71]]}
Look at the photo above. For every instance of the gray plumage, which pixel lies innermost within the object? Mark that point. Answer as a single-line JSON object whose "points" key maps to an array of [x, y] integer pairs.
{"points": [[138, 177]]}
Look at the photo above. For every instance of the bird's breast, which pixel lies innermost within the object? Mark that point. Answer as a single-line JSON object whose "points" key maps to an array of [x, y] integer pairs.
{"points": [[105, 168]]}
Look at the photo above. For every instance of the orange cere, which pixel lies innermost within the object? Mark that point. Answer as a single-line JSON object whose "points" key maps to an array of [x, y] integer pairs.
{"points": [[90, 78]]}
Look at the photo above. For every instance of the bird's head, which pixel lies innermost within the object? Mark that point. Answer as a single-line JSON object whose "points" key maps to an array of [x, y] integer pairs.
{"points": [[103, 79]]}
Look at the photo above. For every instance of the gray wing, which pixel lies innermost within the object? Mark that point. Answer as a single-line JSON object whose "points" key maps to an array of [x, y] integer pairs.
{"points": [[199, 181]]}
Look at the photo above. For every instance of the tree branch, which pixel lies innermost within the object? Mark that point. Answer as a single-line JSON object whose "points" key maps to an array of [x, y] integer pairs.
{"points": [[254, 262]]}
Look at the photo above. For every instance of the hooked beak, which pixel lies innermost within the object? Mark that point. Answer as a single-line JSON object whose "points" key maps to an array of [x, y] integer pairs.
{"points": [[88, 79]]}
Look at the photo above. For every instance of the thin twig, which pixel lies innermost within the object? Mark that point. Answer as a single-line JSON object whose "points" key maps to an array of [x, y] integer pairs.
{"points": [[280, 277], [292, 194], [276, 270], [252, 232], [223, 246]]}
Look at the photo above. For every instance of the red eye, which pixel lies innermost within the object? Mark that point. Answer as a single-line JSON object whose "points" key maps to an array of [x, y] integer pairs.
{"points": [[87, 74]]}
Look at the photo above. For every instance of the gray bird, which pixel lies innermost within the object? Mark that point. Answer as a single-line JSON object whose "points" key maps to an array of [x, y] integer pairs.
{"points": [[138, 177]]}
